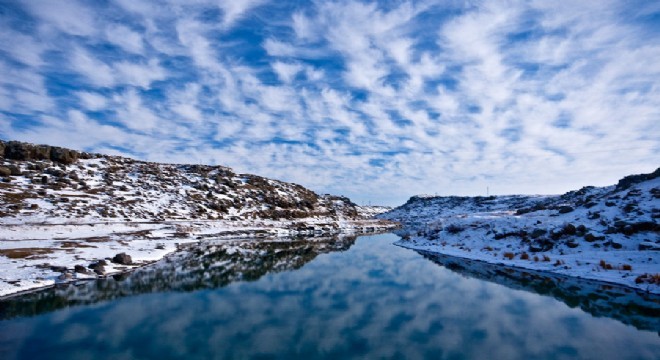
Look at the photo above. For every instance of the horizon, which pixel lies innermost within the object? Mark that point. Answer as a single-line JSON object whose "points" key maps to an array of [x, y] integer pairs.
{"points": [[377, 101]]}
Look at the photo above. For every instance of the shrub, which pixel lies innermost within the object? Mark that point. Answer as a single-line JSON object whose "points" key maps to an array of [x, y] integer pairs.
{"points": [[509, 255], [626, 267], [536, 258], [453, 229], [605, 265], [546, 258], [524, 256]]}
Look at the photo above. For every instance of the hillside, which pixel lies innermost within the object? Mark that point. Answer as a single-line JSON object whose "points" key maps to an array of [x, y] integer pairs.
{"points": [[61, 208], [607, 233]]}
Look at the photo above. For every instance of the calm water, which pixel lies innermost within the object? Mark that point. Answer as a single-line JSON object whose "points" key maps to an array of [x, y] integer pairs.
{"points": [[332, 298]]}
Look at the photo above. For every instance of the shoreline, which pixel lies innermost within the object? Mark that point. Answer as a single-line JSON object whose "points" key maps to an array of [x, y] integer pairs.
{"points": [[607, 277], [41, 255]]}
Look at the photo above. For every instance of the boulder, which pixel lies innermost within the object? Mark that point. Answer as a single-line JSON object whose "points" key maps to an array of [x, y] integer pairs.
{"points": [[628, 230], [4, 171], [14, 170], [565, 209], [62, 155], [122, 259], [60, 269], [569, 229], [18, 151], [80, 269], [538, 233]]}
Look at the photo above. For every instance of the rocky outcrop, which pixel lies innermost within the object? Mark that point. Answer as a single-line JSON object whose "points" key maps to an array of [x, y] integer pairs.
{"points": [[16, 150]]}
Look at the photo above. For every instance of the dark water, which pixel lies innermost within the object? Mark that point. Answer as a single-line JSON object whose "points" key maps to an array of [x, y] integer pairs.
{"points": [[328, 298]]}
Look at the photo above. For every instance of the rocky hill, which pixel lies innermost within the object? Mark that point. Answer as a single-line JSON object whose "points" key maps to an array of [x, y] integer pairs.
{"points": [[67, 215], [43, 183], [607, 233]]}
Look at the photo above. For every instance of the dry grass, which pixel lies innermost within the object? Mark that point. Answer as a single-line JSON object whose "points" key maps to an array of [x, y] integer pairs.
{"points": [[74, 244], [648, 278], [626, 267], [25, 253], [605, 265]]}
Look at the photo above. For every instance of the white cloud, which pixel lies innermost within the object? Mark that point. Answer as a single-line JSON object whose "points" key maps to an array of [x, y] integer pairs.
{"points": [[234, 10], [286, 71], [70, 16], [92, 101], [96, 71], [139, 74], [125, 38]]}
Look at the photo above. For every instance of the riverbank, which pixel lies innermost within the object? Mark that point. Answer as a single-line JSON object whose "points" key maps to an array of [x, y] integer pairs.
{"points": [[607, 233], [38, 255]]}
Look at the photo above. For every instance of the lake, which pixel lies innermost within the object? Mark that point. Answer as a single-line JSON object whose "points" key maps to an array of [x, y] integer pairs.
{"points": [[340, 297]]}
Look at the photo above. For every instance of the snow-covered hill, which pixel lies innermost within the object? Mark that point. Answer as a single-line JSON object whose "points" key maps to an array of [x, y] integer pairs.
{"points": [[609, 233], [60, 208]]}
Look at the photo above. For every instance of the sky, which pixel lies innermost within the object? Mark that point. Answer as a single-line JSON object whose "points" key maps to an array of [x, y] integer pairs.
{"points": [[375, 100]]}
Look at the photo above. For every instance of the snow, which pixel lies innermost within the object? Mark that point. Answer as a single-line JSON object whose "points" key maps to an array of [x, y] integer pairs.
{"points": [[98, 207], [598, 238]]}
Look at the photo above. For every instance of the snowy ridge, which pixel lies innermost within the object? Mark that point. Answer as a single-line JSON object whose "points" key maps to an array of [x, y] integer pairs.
{"points": [[61, 208], [608, 234]]}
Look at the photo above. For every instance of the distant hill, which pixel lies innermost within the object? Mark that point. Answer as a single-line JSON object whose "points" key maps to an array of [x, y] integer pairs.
{"points": [[607, 233]]}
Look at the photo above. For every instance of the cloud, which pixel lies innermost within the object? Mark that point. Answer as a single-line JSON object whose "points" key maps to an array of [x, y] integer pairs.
{"points": [[234, 10], [70, 17], [125, 38], [422, 97]]}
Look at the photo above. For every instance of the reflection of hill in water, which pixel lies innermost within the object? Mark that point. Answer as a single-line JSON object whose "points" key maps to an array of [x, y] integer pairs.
{"points": [[205, 266], [630, 306]]}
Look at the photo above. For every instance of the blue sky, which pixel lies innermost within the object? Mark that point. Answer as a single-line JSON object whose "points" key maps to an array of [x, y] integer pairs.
{"points": [[374, 100]]}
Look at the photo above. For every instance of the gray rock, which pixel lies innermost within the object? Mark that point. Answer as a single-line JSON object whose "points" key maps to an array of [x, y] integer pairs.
{"points": [[122, 259]]}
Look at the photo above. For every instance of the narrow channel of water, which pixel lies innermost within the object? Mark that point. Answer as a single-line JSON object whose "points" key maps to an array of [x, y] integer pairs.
{"points": [[324, 298]]}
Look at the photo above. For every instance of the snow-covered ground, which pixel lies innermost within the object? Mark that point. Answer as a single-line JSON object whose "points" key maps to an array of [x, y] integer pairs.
{"points": [[609, 234], [61, 214]]}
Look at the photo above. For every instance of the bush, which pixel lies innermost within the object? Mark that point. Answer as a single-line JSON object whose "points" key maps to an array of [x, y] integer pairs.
{"points": [[453, 229], [524, 256], [509, 255]]}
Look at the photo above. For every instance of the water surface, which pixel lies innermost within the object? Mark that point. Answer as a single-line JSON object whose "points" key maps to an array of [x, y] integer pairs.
{"points": [[325, 298]]}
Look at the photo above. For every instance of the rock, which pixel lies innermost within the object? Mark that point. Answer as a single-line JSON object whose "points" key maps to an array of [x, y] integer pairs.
{"points": [[569, 229], [647, 245], [14, 170], [44, 179], [4, 171], [572, 244], [98, 267], [2, 149], [64, 156], [80, 269], [122, 259], [538, 233], [565, 209], [615, 245], [628, 230], [581, 228], [58, 268], [589, 237], [18, 151]]}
